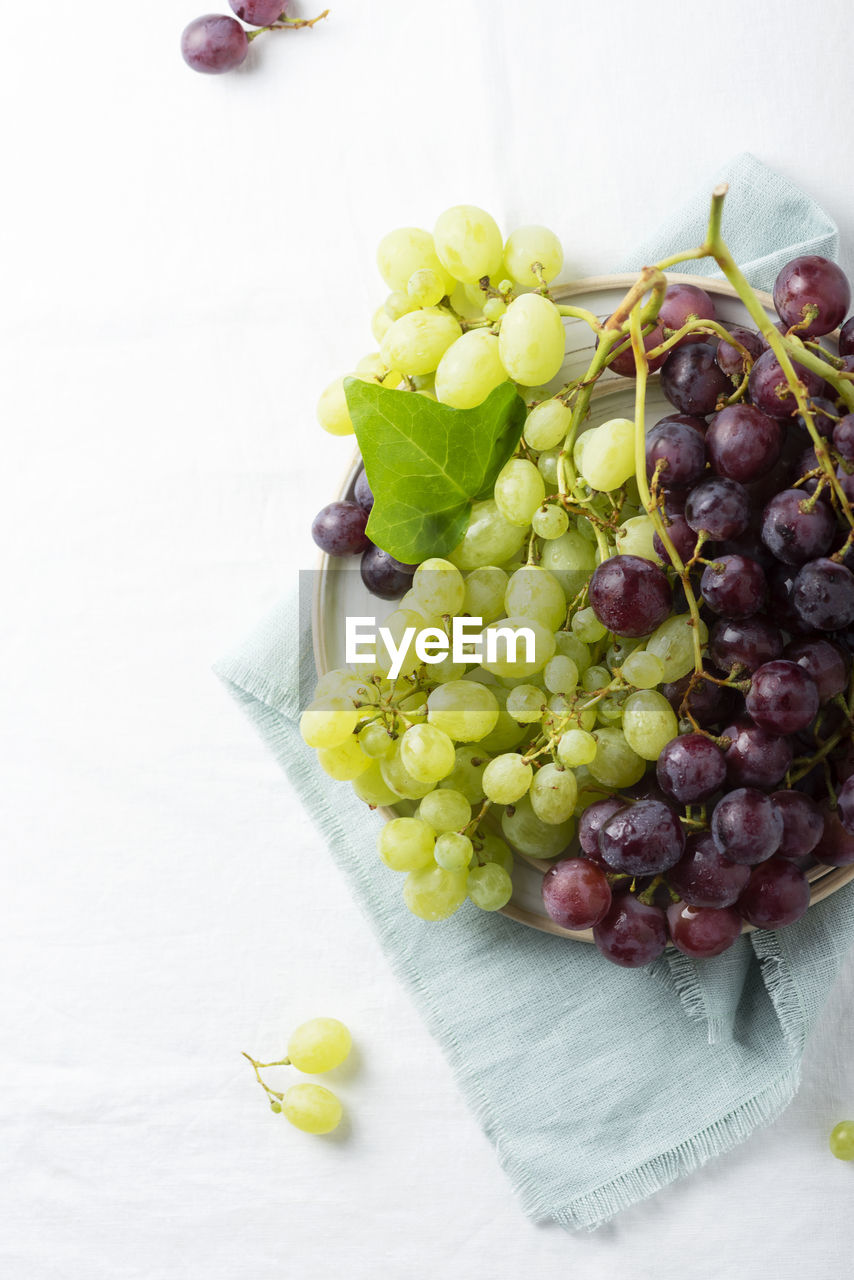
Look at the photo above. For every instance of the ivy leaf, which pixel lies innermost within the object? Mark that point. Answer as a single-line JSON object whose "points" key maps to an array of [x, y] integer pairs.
{"points": [[426, 462]]}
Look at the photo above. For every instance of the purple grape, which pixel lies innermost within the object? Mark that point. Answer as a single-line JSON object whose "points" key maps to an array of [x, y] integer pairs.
{"points": [[845, 805], [702, 932], [824, 662], [339, 529], [846, 338], [846, 480], [734, 587], [747, 827], [709, 703], [629, 595], [643, 839], [259, 13], [803, 824], [687, 419], [719, 506], [812, 281], [770, 391], [748, 643], [824, 416], [576, 894], [777, 894], [624, 363], [631, 934], [781, 584], [823, 595], [681, 535], [214, 44], [691, 768], [836, 846], [591, 822], [806, 463], [691, 379], [795, 535], [756, 758], [704, 877], [743, 443], [680, 448], [384, 576], [843, 436], [683, 302], [362, 492], [783, 697], [729, 359]]}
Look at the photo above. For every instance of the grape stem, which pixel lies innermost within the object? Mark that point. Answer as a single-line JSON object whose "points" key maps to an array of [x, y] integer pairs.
{"points": [[288, 24], [257, 1068]]}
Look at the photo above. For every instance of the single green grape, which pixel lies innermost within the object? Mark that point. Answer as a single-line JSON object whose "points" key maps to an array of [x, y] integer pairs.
{"points": [[372, 368], [494, 309], [494, 849], [485, 588], [445, 810], [398, 304], [547, 424], [560, 674], [595, 678], [312, 1108], [489, 886], [576, 747], [587, 626], [332, 412], [673, 644], [434, 893], [842, 1140], [519, 490], [469, 370], [525, 702], [329, 722], [416, 342], [453, 851], [522, 829], [439, 587], [468, 243], [463, 709], [532, 593], [467, 773], [427, 753], [644, 670], [547, 466], [375, 740], [528, 247], [372, 788], [615, 764], [489, 538], [406, 250], [319, 1045], [571, 559], [507, 651], [406, 844], [550, 521], [397, 776], [425, 287], [344, 762], [507, 778], [634, 538], [608, 456], [531, 342], [554, 793], [611, 708]]}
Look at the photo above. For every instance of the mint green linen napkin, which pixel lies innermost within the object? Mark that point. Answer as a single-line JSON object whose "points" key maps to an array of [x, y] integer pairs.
{"points": [[597, 1085]]}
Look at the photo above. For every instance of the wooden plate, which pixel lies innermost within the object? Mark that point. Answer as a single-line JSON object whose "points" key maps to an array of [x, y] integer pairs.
{"points": [[339, 591]]}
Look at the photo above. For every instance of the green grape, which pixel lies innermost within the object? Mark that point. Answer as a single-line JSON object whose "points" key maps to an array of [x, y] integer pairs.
{"points": [[453, 851], [534, 594], [554, 793], [547, 467], [507, 778], [507, 732], [581, 442], [643, 669], [372, 788], [587, 626], [397, 776], [526, 832], [511, 648], [439, 587], [547, 424], [572, 647], [412, 604], [380, 323], [445, 810], [608, 458], [416, 342], [527, 246], [463, 709], [842, 1140], [332, 412], [588, 790], [312, 1108], [446, 670], [406, 250], [571, 559], [550, 521], [519, 490], [485, 588], [615, 765], [610, 710], [398, 304], [406, 844], [476, 294], [560, 674], [469, 370], [576, 747], [634, 538], [328, 723], [319, 1045], [560, 705], [673, 644], [531, 341], [426, 753], [525, 702], [494, 308], [595, 678], [434, 893], [468, 243], [586, 529], [493, 849], [425, 287], [618, 651], [649, 723], [375, 740], [467, 774], [465, 306], [372, 369], [344, 762], [415, 706], [342, 682], [489, 538], [489, 887]]}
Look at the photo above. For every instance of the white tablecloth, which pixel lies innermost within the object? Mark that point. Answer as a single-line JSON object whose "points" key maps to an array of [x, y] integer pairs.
{"points": [[188, 261]]}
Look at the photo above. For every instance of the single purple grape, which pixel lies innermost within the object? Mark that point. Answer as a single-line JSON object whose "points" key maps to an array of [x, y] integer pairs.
{"points": [[756, 758], [846, 338], [702, 932], [687, 419], [362, 492], [691, 379], [729, 359], [777, 894], [683, 302], [720, 507], [683, 538], [803, 823], [339, 529], [632, 934], [709, 703], [680, 449], [846, 480], [783, 697], [843, 436], [629, 595], [624, 363], [214, 44], [591, 822], [812, 282], [576, 894], [770, 391], [734, 586], [746, 826], [690, 768], [704, 877], [747, 643], [823, 595], [743, 443], [836, 846], [259, 13], [643, 839], [824, 662], [795, 534], [384, 576]]}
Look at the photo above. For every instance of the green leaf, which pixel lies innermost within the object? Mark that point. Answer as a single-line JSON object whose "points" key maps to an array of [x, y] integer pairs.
{"points": [[427, 462]]}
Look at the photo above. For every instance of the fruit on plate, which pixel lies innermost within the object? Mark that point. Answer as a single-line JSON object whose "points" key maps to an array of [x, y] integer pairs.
{"points": [[634, 631]]}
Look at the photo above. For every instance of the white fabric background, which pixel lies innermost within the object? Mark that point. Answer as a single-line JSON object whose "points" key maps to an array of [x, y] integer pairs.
{"points": [[187, 262]]}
